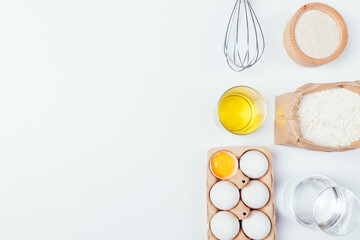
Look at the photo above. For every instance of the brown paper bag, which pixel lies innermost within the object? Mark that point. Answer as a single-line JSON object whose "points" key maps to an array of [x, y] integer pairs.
{"points": [[287, 131]]}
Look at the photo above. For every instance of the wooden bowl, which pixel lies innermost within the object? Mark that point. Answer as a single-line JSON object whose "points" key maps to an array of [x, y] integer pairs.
{"points": [[292, 48]]}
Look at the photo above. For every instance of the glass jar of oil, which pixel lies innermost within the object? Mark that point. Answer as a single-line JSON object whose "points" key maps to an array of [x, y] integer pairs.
{"points": [[242, 110]]}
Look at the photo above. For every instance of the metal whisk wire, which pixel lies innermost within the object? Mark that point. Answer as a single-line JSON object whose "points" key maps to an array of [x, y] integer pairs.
{"points": [[244, 41]]}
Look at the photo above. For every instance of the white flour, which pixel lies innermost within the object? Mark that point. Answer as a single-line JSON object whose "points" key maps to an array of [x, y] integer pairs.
{"points": [[317, 34], [330, 117]]}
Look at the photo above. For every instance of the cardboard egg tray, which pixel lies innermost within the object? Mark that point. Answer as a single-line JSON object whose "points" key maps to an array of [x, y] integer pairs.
{"points": [[241, 211]]}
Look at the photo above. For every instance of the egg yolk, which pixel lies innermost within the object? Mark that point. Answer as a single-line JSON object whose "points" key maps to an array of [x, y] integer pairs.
{"points": [[222, 164]]}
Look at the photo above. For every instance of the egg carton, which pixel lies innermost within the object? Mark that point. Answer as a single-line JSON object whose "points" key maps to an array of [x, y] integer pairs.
{"points": [[241, 211]]}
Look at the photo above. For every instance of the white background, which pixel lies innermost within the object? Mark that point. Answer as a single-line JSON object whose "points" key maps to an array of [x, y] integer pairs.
{"points": [[107, 113]]}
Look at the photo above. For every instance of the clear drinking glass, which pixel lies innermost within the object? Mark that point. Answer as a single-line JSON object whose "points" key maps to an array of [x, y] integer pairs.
{"points": [[317, 202], [241, 110]]}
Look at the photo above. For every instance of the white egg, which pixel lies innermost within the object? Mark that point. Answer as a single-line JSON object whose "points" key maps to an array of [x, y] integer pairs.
{"points": [[257, 225], [224, 225], [254, 164], [255, 194], [224, 195]]}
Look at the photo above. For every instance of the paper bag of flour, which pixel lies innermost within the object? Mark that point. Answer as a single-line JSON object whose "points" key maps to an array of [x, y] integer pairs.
{"points": [[287, 130]]}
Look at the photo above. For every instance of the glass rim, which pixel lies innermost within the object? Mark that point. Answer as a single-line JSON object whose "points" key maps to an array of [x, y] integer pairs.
{"points": [[303, 179], [340, 197]]}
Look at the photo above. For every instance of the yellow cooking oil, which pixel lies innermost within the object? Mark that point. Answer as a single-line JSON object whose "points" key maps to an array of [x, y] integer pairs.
{"points": [[242, 110]]}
